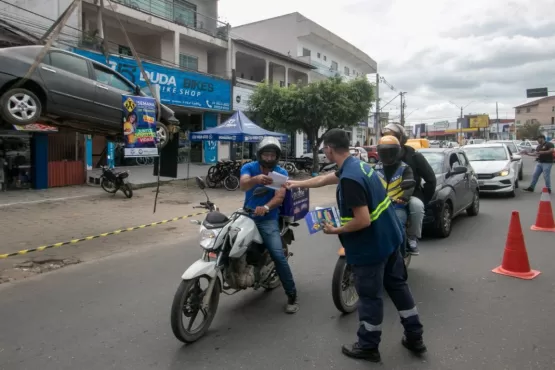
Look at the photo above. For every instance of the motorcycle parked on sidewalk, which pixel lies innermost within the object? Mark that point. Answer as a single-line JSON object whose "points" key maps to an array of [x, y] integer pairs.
{"points": [[343, 291], [233, 259], [111, 182]]}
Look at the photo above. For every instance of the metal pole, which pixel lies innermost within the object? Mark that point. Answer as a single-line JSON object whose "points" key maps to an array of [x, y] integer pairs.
{"points": [[377, 123], [497, 119]]}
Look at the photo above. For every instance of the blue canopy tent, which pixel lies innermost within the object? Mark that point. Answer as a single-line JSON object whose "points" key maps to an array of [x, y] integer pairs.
{"points": [[238, 128]]}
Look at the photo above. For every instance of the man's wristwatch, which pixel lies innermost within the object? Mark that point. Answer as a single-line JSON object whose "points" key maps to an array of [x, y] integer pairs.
{"points": [[267, 208]]}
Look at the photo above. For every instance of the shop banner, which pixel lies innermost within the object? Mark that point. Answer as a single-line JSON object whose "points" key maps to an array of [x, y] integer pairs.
{"points": [[139, 126], [177, 87], [210, 146]]}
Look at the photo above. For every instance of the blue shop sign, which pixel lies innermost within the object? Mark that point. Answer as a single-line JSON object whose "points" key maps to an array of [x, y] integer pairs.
{"points": [[177, 87]]}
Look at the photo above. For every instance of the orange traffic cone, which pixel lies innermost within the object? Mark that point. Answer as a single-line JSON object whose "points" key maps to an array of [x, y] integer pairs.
{"points": [[515, 259], [544, 220]]}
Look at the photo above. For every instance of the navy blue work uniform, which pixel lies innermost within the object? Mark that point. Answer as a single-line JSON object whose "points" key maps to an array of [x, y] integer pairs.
{"points": [[374, 253]]}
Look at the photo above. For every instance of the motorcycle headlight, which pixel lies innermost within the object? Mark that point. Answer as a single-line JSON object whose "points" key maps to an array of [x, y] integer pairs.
{"points": [[208, 238]]}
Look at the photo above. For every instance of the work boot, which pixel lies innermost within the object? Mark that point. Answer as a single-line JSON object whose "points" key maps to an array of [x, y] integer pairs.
{"points": [[355, 351], [292, 305], [413, 246], [416, 346]]}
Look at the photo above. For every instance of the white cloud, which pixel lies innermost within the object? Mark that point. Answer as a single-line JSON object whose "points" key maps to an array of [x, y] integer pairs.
{"points": [[437, 50]]}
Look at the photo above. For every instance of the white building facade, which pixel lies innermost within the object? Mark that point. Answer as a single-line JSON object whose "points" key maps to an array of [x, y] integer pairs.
{"points": [[298, 37]]}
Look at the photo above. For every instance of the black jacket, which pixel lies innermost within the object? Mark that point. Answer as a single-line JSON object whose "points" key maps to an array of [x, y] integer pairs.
{"points": [[421, 171]]}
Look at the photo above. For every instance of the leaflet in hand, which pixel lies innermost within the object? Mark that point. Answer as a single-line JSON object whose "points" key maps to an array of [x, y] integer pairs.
{"points": [[316, 219], [278, 180]]}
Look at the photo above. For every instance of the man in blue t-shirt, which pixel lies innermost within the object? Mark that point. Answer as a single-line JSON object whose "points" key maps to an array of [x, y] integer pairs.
{"points": [[266, 211]]}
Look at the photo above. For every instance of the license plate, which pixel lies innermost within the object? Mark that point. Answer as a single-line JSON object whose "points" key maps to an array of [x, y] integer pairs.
{"points": [[481, 182]]}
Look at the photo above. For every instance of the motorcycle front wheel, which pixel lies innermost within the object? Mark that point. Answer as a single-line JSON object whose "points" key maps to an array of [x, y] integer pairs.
{"points": [[343, 291], [126, 188], [187, 307], [108, 186]]}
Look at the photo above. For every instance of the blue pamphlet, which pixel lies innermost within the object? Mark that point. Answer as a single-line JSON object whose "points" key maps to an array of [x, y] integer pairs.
{"points": [[315, 220]]}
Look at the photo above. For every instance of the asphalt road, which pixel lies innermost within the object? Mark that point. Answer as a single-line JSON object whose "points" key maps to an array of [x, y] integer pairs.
{"points": [[113, 313]]}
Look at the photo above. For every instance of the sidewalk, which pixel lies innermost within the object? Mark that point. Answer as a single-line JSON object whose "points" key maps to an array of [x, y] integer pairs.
{"points": [[141, 176]]}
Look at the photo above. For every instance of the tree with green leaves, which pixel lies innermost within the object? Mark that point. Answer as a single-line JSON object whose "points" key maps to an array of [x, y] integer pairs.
{"points": [[311, 108], [530, 130]]}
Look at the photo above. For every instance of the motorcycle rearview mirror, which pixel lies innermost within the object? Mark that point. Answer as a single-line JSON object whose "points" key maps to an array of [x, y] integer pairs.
{"points": [[202, 185], [407, 184]]}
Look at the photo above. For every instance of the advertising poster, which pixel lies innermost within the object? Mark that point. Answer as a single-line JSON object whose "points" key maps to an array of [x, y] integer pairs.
{"points": [[175, 86], [139, 126]]}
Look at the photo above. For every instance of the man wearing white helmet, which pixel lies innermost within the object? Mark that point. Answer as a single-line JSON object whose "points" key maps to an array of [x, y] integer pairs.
{"points": [[266, 211], [422, 193]]}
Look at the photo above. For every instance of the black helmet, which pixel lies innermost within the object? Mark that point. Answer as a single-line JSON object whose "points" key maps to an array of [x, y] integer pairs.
{"points": [[389, 150], [268, 144], [396, 130]]}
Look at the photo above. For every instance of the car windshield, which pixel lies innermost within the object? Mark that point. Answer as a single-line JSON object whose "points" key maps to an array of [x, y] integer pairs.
{"points": [[435, 160], [486, 154], [510, 145], [534, 143]]}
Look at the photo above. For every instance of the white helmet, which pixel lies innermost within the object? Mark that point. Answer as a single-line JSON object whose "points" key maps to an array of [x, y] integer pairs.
{"points": [[268, 144]]}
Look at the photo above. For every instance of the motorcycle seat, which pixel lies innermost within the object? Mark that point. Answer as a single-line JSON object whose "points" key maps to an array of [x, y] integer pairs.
{"points": [[215, 220]]}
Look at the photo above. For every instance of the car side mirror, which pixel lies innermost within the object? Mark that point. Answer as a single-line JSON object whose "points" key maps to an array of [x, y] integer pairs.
{"points": [[516, 158], [200, 183], [260, 191], [458, 170]]}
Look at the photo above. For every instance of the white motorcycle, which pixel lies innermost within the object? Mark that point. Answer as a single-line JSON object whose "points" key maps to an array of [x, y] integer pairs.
{"points": [[234, 258]]}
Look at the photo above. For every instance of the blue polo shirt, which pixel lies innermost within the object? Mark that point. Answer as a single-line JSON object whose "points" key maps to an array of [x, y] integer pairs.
{"points": [[253, 169]]}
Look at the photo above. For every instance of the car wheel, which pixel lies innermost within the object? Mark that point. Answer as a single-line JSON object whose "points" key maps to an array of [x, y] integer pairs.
{"points": [[443, 227], [163, 134], [20, 107], [475, 206], [512, 193]]}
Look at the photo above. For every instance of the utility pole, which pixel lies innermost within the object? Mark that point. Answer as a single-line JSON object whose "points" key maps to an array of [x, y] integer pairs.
{"points": [[497, 120], [377, 123], [402, 93]]}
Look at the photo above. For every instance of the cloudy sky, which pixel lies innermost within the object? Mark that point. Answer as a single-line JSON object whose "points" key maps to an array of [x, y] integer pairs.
{"points": [[472, 53]]}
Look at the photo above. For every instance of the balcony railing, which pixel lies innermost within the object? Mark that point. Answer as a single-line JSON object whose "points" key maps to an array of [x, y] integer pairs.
{"points": [[182, 13]]}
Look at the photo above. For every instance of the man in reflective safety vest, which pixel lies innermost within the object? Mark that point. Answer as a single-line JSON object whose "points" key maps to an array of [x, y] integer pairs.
{"points": [[371, 234], [392, 172]]}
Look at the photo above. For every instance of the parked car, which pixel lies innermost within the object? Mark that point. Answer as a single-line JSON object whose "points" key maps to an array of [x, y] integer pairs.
{"points": [[359, 152], [513, 149], [496, 168], [372, 151], [67, 90], [528, 146], [456, 190], [321, 156]]}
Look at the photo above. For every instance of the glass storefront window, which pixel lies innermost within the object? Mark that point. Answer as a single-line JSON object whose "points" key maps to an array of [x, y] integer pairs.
{"points": [[15, 160]]}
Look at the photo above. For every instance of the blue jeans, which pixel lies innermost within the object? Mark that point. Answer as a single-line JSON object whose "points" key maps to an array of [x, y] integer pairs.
{"points": [[546, 169], [269, 230]]}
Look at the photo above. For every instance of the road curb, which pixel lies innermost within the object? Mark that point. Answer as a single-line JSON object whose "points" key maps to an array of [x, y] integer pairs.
{"points": [[115, 232]]}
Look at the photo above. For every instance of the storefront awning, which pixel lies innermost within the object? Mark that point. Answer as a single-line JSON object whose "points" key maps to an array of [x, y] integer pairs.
{"points": [[35, 127]]}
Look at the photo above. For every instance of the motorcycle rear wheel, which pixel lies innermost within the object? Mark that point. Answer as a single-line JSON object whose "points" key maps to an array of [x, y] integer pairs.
{"points": [[108, 186], [187, 302], [343, 280]]}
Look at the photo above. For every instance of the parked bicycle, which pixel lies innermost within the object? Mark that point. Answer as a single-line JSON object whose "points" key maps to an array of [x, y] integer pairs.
{"points": [[226, 173]]}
